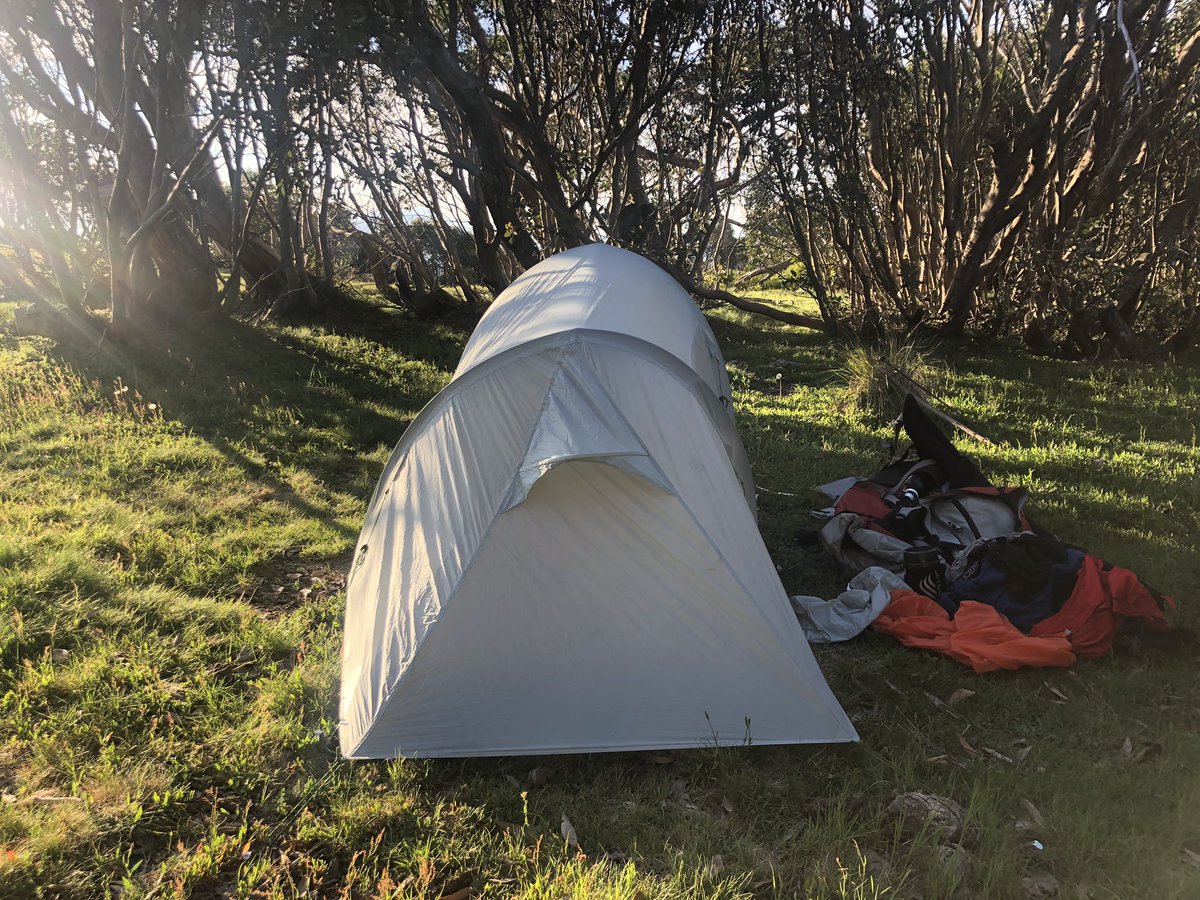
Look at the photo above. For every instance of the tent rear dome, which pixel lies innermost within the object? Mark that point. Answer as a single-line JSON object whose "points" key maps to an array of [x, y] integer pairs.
{"points": [[561, 554]]}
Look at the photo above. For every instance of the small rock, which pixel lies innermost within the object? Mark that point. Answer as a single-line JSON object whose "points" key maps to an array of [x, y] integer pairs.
{"points": [[59, 655], [921, 811], [540, 776], [955, 860], [878, 867], [1039, 886]]}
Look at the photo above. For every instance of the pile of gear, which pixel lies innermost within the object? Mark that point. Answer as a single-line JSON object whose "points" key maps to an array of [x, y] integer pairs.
{"points": [[948, 562]]}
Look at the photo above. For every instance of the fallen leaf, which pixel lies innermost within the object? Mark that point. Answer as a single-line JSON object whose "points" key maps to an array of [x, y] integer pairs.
{"points": [[457, 888], [959, 696], [728, 806], [513, 781], [1127, 747], [1150, 751], [966, 745], [715, 865], [49, 796], [1034, 814], [1057, 693], [568, 832], [660, 759], [539, 776], [936, 701], [997, 755]]}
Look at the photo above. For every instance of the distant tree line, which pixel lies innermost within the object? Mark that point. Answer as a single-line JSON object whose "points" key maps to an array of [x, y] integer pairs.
{"points": [[1026, 168]]}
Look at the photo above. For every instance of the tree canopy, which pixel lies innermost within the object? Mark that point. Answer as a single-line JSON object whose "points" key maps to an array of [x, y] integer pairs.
{"points": [[1031, 169]]}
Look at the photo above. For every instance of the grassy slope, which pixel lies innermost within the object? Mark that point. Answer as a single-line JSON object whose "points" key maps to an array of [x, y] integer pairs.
{"points": [[169, 635]]}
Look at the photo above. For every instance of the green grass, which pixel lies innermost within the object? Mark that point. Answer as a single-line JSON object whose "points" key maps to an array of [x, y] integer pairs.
{"points": [[172, 527]]}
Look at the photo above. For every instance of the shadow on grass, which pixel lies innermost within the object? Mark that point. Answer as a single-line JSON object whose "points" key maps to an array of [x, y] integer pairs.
{"points": [[277, 399]]}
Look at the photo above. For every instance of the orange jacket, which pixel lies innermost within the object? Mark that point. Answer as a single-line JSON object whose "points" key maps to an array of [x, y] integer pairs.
{"points": [[977, 636], [981, 638]]}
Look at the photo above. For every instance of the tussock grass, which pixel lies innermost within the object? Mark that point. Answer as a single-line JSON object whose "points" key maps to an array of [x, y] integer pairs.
{"points": [[871, 384], [164, 731]]}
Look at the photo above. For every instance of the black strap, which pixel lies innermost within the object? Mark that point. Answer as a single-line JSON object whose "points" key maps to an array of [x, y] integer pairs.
{"points": [[894, 443], [967, 517]]}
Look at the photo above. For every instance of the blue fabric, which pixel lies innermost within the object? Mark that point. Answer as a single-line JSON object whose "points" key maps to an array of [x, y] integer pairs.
{"points": [[1024, 579]]}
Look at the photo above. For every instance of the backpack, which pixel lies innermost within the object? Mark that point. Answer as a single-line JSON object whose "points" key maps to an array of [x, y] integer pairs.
{"points": [[949, 518]]}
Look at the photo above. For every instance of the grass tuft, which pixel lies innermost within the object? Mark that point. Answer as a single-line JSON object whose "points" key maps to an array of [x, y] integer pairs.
{"points": [[870, 383]]}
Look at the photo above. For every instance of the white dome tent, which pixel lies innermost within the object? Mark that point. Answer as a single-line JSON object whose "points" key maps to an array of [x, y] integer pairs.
{"points": [[561, 554]]}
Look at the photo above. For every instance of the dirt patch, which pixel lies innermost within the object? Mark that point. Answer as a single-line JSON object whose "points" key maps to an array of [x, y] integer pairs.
{"points": [[289, 582]]}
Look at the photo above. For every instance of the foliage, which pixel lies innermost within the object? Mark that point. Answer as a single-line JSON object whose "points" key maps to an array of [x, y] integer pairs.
{"points": [[1028, 170]]}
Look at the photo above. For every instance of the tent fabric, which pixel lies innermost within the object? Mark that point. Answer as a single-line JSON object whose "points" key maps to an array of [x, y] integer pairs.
{"points": [[600, 288], [562, 555]]}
